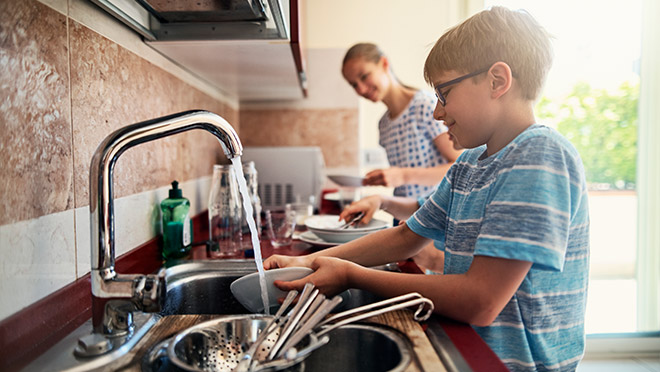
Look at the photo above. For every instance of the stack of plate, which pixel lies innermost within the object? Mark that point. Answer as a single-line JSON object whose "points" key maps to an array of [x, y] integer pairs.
{"points": [[326, 228]]}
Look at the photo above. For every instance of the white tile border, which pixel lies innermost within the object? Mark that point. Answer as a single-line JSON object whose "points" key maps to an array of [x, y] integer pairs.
{"points": [[42, 255]]}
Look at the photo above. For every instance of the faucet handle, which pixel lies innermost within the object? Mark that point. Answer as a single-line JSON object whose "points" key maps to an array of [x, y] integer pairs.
{"points": [[150, 292]]}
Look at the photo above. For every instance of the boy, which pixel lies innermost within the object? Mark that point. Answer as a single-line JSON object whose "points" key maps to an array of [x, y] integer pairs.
{"points": [[511, 215]]}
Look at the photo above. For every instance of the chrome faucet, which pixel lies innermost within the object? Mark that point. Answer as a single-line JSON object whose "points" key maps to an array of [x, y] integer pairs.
{"points": [[116, 296]]}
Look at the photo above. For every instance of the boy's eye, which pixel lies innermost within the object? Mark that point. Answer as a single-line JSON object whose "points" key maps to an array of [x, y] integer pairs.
{"points": [[446, 92], [364, 76]]}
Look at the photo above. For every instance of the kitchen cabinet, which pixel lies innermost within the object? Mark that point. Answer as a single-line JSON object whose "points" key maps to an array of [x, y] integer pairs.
{"points": [[254, 59]]}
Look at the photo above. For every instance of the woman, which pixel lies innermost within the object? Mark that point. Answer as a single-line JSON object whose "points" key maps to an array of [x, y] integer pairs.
{"points": [[418, 147]]}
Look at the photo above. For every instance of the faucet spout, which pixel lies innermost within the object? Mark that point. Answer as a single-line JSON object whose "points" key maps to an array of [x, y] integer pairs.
{"points": [[107, 285]]}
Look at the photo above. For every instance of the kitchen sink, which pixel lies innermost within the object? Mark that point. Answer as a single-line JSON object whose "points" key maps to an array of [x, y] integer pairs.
{"points": [[203, 288]]}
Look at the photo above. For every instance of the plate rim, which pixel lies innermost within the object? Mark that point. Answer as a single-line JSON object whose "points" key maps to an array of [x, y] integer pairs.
{"points": [[383, 225]]}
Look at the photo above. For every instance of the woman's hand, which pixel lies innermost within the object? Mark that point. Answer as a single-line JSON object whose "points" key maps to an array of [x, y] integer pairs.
{"points": [[391, 177], [277, 261], [368, 205], [331, 276]]}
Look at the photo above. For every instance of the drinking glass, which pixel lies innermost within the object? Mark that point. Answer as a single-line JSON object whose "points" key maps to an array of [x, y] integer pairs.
{"points": [[281, 225], [303, 211], [225, 214]]}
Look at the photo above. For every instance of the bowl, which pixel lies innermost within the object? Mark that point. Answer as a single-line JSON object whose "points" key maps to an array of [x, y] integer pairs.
{"points": [[247, 290], [344, 180], [326, 227]]}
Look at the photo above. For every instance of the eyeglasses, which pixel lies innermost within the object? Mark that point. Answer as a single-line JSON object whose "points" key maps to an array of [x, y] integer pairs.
{"points": [[441, 97]]}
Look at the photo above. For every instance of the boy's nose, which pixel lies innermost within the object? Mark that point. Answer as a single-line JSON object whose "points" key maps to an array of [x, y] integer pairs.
{"points": [[439, 111]]}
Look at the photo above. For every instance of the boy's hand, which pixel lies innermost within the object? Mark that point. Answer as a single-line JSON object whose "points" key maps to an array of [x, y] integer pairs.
{"points": [[277, 261], [331, 276], [368, 205]]}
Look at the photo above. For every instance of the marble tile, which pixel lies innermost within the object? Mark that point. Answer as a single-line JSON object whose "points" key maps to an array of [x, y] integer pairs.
{"points": [[111, 88], [334, 130], [38, 258], [36, 177]]}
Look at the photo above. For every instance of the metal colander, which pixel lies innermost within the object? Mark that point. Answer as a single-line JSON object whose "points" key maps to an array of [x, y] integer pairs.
{"points": [[219, 344]]}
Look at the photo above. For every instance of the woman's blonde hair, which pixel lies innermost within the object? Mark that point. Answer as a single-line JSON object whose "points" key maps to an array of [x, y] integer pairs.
{"points": [[495, 35]]}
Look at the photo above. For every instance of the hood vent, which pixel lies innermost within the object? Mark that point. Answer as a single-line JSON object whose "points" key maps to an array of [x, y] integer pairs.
{"points": [[196, 11], [187, 20]]}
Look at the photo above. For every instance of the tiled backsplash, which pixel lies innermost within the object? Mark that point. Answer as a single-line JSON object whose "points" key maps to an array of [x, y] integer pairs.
{"points": [[64, 87], [333, 130], [69, 76]]}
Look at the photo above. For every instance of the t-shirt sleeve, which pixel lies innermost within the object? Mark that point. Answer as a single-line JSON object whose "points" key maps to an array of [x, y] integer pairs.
{"points": [[430, 219], [527, 216]]}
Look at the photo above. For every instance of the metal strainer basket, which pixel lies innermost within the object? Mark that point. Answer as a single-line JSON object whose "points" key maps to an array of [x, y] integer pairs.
{"points": [[219, 344]]}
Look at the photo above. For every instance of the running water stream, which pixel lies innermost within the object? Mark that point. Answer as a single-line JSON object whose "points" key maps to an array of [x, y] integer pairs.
{"points": [[237, 166]]}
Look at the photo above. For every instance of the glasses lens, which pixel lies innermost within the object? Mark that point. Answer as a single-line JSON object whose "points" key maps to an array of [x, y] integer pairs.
{"points": [[440, 97]]}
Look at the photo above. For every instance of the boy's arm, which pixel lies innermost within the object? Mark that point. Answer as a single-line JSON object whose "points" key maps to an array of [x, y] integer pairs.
{"points": [[475, 297], [381, 247]]}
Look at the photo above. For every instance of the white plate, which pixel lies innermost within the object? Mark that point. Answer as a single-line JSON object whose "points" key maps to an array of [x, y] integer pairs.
{"points": [[331, 223], [342, 180], [247, 290], [327, 226], [310, 238]]}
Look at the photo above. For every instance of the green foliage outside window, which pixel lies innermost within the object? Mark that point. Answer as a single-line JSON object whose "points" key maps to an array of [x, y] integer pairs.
{"points": [[602, 126]]}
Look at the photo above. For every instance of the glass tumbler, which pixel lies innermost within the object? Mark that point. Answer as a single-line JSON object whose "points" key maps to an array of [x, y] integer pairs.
{"points": [[225, 214], [281, 225]]}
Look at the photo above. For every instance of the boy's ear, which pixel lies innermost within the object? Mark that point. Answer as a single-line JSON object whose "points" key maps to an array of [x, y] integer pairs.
{"points": [[500, 79]]}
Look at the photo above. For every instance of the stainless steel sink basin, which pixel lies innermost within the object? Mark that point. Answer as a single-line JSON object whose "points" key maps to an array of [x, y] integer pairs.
{"points": [[203, 288], [353, 347], [362, 347]]}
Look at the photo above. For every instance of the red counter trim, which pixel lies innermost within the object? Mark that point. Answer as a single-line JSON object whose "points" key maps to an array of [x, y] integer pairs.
{"points": [[474, 350]]}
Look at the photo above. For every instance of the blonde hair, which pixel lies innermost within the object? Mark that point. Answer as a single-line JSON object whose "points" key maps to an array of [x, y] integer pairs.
{"points": [[495, 35]]}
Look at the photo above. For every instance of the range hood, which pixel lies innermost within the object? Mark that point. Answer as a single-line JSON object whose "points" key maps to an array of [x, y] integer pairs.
{"points": [[247, 48], [178, 20]]}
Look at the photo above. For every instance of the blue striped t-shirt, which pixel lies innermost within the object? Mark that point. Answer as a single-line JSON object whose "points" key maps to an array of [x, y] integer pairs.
{"points": [[526, 202]]}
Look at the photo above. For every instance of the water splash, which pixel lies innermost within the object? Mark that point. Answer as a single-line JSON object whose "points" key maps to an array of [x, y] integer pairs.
{"points": [[237, 167]]}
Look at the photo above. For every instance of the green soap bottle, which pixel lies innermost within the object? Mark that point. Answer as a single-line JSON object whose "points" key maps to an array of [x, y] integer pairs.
{"points": [[177, 225]]}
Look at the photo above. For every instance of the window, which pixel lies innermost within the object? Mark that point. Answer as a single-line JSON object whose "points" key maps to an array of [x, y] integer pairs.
{"points": [[594, 97]]}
